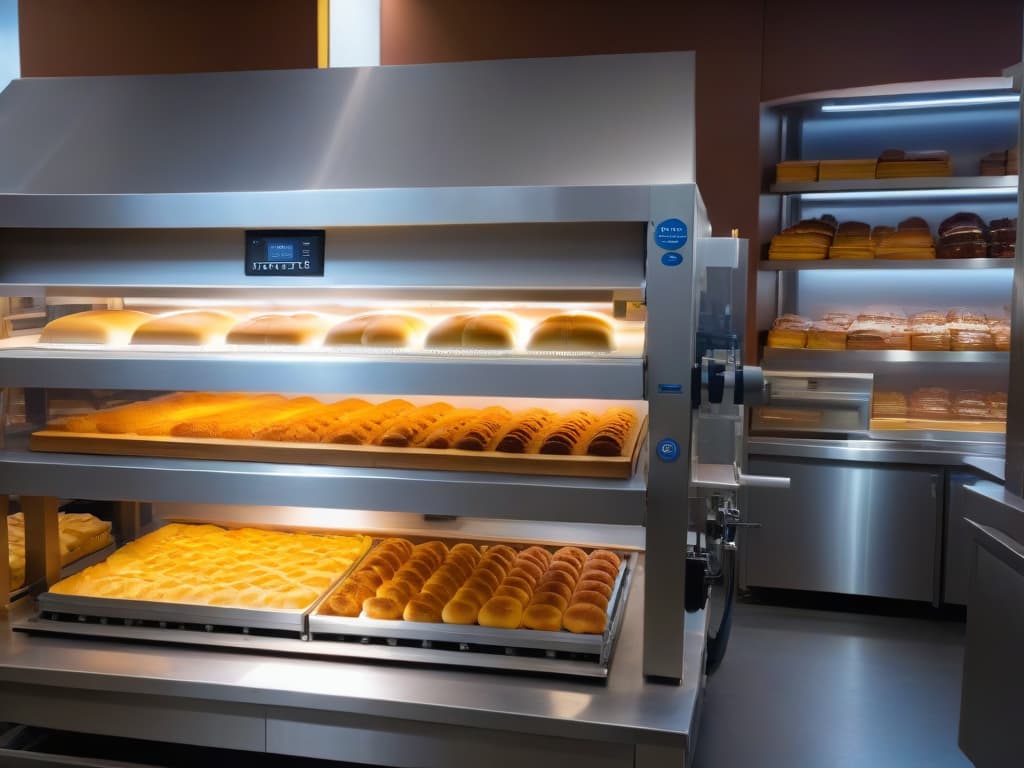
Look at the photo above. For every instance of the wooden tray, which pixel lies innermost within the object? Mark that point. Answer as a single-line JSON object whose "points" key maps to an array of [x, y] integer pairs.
{"points": [[945, 425], [333, 455]]}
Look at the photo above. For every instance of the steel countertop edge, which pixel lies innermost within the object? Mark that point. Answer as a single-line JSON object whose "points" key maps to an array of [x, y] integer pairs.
{"points": [[889, 451], [626, 709]]}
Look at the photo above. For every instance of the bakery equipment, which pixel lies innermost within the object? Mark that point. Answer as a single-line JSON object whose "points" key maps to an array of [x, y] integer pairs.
{"points": [[448, 189]]}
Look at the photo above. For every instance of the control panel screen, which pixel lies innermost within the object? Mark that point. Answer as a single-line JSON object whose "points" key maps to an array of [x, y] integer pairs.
{"points": [[284, 253]]}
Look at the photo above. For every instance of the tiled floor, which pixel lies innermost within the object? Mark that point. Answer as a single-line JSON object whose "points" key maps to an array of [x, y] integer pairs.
{"points": [[820, 689]]}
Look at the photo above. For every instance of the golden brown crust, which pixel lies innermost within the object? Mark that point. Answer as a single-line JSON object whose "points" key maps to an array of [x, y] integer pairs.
{"points": [[573, 331], [501, 612], [543, 617], [382, 608], [590, 597], [583, 618], [189, 328], [98, 326]]}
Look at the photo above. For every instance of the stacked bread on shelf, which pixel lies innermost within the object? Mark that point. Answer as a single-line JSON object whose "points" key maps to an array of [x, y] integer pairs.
{"points": [[911, 239], [1002, 238], [494, 586], [841, 170], [939, 404], [890, 164], [80, 534], [393, 423], [575, 331], [209, 565], [881, 328], [790, 171], [806, 240], [852, 241], [963, 236], [899, 163], [1004, 163]]}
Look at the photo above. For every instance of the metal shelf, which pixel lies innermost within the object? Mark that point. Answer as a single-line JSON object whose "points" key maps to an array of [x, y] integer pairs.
{"points": [[911, 184], [464, 494], [857, 359], [909, 264], [620, 378]]}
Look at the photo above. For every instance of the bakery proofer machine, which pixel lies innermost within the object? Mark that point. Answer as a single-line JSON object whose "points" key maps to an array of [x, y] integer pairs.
{"points": [[389, 381]]}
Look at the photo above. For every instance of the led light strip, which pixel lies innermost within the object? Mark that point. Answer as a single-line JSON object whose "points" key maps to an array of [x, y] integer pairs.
{"points": [[912, 194], [958, 101]]}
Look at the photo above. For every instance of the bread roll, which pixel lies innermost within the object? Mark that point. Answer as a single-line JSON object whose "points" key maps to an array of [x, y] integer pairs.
{"points": [[377, 329], [459, 611], [502, 613], [486, 330], [550, 598], [591, 597], [584, 618], [606, 555], [421, 610], [478, 433], [574, 331], [566, 434], [382, 608], [506, 590], [600, 565], [593, 574], [404, 429], [555, 587], [572, 555], [593, 585], [310, 427], [608, 436], [299, 329], [522, 429], [187, 328], [97, 326], [542, 617]]}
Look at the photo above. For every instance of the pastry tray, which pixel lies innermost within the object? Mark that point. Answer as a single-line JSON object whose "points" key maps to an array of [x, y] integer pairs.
{"points": [[472, 638], [76, 565], [621, 467]]}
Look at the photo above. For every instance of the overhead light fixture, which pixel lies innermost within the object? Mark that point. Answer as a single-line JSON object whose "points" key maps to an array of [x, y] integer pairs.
{"points": [[962, 193], [952, 101]]}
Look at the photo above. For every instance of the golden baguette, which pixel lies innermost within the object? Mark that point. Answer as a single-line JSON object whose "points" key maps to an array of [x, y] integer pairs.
{"points": [[210, 425], [308, 427], [362, 426]]}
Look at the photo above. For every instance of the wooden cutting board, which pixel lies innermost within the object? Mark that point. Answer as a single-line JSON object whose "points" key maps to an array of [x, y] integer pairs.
{"points": [[329, 454]]}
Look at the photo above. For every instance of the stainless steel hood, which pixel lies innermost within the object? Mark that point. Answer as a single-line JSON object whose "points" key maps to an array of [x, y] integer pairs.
{"points": [[585, 121]]}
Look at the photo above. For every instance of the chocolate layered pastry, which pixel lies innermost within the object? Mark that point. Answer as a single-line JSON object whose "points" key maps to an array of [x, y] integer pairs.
{"points": [[1002, 238], [963, 236]]}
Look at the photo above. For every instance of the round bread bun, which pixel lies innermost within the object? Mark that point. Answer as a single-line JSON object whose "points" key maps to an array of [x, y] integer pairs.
{"points": [[534, 558], [575, 553], [367, 577], [584, 618], [590, 597], [399, 591], [342, 605], [506, 553], [382, 608], [546, 618], [593, 585], [494, 565], [601, 565], [404, 544], [555, 587], [381, 568], [444, 580], [469, 550], [568, 579], [478, 584], [420, 567], [461, 563], [550, 598], [486, 576], [451, 570], [596, 575], [538, 552], [527, 569], [474, 596], [459, 612], [432, 600], [389, 557], [440, 591], [604, 554], [421, 610], [411, 578], [521, 595], [518, 583], [501, 612], [565, 566], [587, 331], [359, 591]]}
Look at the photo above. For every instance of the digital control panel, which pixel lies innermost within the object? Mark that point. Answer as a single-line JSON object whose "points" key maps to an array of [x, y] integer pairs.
{"points": [[284, 253]]}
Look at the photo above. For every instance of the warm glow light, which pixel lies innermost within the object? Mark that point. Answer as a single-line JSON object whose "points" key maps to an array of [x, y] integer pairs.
{"points": [[953, 101]]}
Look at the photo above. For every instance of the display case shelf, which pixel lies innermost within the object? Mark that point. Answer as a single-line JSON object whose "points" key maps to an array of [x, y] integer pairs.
{"points": [[595, 377], [463, 494], [909, 184], [912, 264], [856, 359]]}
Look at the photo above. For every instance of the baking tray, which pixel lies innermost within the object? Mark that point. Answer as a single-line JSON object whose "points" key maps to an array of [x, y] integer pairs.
{"points": [[329, 454], [461, 638], [98, 556]]}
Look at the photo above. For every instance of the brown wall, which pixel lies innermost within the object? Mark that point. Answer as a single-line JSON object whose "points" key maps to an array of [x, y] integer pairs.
{"points": [[123, 37]]}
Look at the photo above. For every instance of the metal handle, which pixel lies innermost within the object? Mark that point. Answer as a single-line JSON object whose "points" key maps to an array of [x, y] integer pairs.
{"points": [[762, 481]]}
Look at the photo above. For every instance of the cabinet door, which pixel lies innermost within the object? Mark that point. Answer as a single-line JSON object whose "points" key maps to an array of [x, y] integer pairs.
{"points": [[857, 529]]}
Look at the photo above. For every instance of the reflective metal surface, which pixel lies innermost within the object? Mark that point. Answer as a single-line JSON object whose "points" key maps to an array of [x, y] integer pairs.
{"points": [[885, 264], [936, 453], [847, 528], [877, 185]]}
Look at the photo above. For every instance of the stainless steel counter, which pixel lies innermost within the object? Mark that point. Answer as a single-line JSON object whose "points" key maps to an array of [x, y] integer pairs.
{"points": [[935, 453], [403, 715]]}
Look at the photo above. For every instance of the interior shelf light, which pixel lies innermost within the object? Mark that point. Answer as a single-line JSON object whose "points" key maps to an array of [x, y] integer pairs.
{"points": [[952, 101], [961, 193]]}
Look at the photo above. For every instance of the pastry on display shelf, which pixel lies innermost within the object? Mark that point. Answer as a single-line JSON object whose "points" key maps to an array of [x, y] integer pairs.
{"points": [[912, 239], [796, 171], [80, 535], [898, 163], [929, 332], [573, 331], [377, 329], [96, 326], [191, 328], [209, 565], [963, 236], [997, 405], [888, 405], [301, 329], [837, 170], [809, 239], [482, 330], [852, 241], [930, 403], [789, 332], [1003, 238], [825, 335], [877, 335], [971, 404], [993, 164]]}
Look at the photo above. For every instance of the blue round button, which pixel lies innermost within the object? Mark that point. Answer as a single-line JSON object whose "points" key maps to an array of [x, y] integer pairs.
{"points": [[670, 234], [668, 449], [671, 259]]}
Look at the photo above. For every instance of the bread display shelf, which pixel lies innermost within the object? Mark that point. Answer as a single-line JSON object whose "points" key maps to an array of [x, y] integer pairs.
{"points": [[780, 265], [617, 467], [460, 638], [80, 562], [940, 425], [848, 359], [909, 183]]}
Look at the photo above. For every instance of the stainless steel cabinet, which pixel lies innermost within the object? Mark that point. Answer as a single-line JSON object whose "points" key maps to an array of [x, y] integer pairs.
{"points": [[860, 529]]}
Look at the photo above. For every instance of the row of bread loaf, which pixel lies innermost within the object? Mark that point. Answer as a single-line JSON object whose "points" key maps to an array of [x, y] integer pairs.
{"points": [[890, 164], [940, 403], [880, 328], [393, 423], [963, 235], [567, 331], [493, 586]]}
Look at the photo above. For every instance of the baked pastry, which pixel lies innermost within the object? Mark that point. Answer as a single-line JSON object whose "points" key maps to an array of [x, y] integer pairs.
{"points": [[300, 329], [789, 332], [478, 433], [970, 404], [80, 535], [996, 405], [97, 326], [993, 164], [311, 426], [377, 329], [196, 328], [911, 239], [1000, 330], [155, 416], [566, 433], [867, 334], [929, 332], [216, 423], [608, 436], [963, 236], [1002, 235], [585, 618], [208, 565], [404, 429], [485, 330], [829, 170], [930, 403], [574, 331], [840, 319], [898, 163], [853, 240], [823, 335], [796, 170], [888, 405], [522, 429], [363, 427], [809, 239]]}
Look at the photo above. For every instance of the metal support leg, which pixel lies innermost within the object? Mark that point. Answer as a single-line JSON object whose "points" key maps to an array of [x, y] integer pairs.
{"points": [[128, 519], [42, 539], [5, 563]]}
